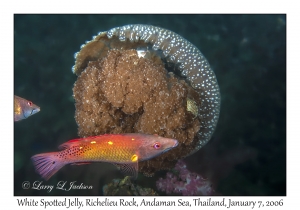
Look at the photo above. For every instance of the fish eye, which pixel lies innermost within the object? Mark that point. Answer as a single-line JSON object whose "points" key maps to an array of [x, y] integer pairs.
{"points": [[29, 103], [156, 145]]}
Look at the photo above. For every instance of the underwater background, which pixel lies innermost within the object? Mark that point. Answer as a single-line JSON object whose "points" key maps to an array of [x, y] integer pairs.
{"points": [[247, 153]]}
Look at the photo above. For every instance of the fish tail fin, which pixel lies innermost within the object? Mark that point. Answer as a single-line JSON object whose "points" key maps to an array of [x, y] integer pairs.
{"points": [[47, 164]]}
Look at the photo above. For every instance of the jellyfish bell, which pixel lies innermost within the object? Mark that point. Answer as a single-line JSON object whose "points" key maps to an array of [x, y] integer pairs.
{"points": [[185, 71]]}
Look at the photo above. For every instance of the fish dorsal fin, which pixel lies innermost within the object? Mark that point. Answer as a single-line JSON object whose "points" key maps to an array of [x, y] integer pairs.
{"points": [[128, 169], [75, 142], [68, 144]]}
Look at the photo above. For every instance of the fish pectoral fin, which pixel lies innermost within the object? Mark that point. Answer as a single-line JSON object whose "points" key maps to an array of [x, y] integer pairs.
{"points": [[80, 163], [130, 169]]}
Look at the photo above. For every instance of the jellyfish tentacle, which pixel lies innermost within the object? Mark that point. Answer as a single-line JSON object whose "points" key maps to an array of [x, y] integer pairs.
{"points": [[176, 50], [193, 63]]}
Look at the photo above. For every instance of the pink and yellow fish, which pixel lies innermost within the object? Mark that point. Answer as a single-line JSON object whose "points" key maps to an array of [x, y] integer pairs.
{"points": [[123, 150], [23, 108]]}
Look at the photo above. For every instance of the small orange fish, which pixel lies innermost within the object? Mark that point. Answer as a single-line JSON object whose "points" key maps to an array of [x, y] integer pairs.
{"points": [[123, 150], [23, 108]]}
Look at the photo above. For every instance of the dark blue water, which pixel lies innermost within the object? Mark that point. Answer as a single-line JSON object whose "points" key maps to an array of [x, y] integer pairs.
{"points": [[247, 154]]}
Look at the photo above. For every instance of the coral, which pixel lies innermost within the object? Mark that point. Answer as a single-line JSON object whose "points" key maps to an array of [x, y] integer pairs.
{"points": [[184, 182], [126, 187]]}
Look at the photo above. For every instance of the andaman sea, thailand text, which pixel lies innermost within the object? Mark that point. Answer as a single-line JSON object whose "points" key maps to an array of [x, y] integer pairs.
{"points": [[155, 202]]}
